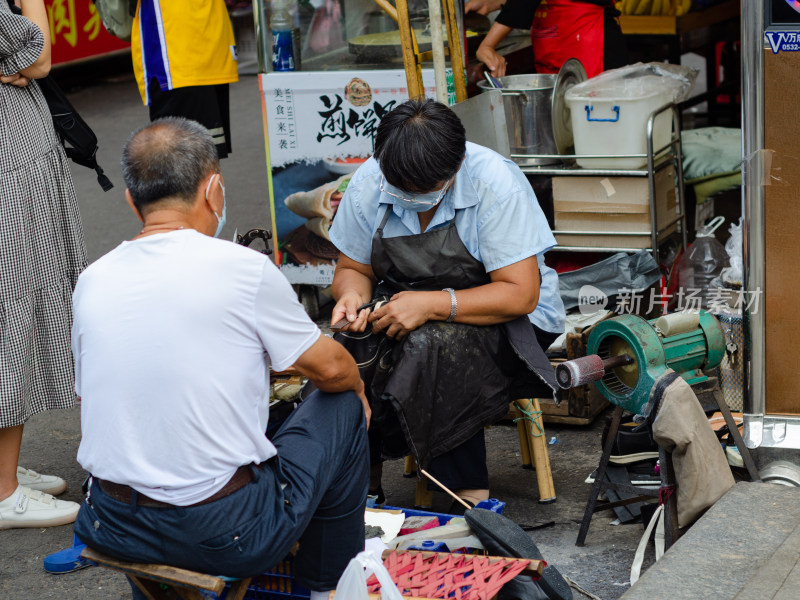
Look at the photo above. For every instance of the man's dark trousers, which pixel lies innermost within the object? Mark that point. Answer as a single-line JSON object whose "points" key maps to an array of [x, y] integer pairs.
{"points": [[313, 492]]}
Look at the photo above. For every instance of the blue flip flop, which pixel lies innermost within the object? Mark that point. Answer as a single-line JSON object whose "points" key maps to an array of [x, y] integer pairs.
{"points": [[67, 560]]}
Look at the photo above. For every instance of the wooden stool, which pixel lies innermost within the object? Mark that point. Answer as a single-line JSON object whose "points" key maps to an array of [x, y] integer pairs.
{"points": [[182, 583], [532, 444]]}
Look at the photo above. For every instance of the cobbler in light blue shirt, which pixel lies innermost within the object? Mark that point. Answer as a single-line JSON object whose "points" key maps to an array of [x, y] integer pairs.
{"points": [[497, 217]]}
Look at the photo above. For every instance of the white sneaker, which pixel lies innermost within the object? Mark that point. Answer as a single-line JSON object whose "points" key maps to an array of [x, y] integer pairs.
{"points": [[49, 484], [32, 508]]}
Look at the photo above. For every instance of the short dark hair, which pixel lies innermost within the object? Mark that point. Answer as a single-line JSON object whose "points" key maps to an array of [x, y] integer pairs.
{"points": [[168, 159], [420, 144]]}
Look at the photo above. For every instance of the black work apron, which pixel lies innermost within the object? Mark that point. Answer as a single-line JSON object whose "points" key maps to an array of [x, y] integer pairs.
{"points": [[444, 381]]}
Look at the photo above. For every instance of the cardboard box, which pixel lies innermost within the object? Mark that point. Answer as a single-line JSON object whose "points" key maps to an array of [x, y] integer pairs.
{"points": [[608, 222], [606, 205]]}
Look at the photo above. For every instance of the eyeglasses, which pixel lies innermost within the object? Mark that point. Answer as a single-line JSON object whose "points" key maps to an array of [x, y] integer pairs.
{"points": [[419, 198]]}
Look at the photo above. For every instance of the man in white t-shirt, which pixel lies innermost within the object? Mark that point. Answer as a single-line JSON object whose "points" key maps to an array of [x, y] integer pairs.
{"points": [[173, 337]]}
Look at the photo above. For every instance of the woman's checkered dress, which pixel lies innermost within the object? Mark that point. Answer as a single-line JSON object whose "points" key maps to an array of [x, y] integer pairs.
{"points": [[41, 240]]}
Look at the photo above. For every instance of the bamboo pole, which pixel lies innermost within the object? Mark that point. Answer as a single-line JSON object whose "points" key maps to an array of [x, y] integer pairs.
{"points": [[408, 44], [538, 450], [454, 47]]}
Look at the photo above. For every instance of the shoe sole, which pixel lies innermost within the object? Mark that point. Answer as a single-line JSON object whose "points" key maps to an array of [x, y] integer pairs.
{"points": [[626, 459], [55, 522]]}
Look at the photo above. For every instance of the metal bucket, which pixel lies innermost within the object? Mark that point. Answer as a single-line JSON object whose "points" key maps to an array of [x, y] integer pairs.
{"points": [[527, 102]]}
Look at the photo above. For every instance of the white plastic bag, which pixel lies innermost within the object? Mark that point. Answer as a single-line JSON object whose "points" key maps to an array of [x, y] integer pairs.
{"points": [[734, 275], [353, 582]]}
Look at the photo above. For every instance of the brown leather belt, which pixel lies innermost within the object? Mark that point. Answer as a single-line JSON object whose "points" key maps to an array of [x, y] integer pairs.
{"points": [[124, 493]]}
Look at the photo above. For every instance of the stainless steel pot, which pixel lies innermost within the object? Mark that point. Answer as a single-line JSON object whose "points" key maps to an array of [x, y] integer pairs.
{"points": [[527, 102]]}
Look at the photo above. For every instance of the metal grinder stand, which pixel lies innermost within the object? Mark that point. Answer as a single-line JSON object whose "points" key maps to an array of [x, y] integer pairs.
{"points": [[625, 357]]}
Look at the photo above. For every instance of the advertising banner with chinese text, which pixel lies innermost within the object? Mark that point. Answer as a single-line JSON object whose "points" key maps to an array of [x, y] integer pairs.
{"points": [[330, 114], [77, 32], [320, 127]]}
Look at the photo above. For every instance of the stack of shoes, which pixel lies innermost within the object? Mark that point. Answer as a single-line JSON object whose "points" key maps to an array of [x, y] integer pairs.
{"points": [[634, 443], [632, 461], [32, 505]]}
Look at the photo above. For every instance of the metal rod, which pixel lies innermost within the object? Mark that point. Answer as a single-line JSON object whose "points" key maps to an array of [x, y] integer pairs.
{"points": [[437, 48], [753, 247], [612, 362], [606, 233]]}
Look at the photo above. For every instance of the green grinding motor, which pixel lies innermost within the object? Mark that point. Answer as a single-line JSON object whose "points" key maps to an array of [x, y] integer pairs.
{"points": [[627, 354]]}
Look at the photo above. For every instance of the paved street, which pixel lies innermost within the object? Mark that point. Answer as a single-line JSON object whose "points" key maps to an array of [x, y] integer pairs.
{"points": [[113, 108]]}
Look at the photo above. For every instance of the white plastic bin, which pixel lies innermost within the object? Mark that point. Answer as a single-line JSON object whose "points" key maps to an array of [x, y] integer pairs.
{"points": [[615, 122]]}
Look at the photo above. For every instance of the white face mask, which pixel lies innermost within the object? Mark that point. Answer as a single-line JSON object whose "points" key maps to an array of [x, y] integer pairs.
{"points": [[416, 202], [220, 219]]}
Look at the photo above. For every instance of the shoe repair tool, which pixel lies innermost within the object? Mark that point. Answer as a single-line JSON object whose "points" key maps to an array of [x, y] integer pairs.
{"points": [[373, 305], [626, 355], [253, 235]]}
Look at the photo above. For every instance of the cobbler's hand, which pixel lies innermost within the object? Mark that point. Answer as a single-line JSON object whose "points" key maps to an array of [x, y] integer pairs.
{"points": [[404, 313]]}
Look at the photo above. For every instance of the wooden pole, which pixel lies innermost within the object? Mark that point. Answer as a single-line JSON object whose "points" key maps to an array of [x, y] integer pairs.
{"points": [[522, 432], [538, 449], [454, 48], [408, 46]]}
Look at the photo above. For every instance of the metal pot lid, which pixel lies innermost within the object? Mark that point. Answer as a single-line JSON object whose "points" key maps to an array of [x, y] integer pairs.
{"points": [[571, 73]]}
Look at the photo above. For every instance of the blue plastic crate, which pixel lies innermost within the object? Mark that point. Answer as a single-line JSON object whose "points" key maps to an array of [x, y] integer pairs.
{"points": [[492, 504], [275, 584]]}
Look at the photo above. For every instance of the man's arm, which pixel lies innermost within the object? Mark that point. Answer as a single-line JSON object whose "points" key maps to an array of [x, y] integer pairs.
{"points": [[331, 369]]}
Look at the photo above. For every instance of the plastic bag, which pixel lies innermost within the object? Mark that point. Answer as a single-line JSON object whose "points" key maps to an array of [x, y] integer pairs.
{"points": [[353, 582], [608, 278], [702, 264], [733, 276], [638, 81]]}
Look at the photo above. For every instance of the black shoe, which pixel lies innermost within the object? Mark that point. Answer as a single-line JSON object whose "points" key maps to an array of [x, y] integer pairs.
{"points": [[634, 443]]}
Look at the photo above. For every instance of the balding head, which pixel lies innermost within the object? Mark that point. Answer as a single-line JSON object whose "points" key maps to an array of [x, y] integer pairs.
{"points": [[168, 159]]}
